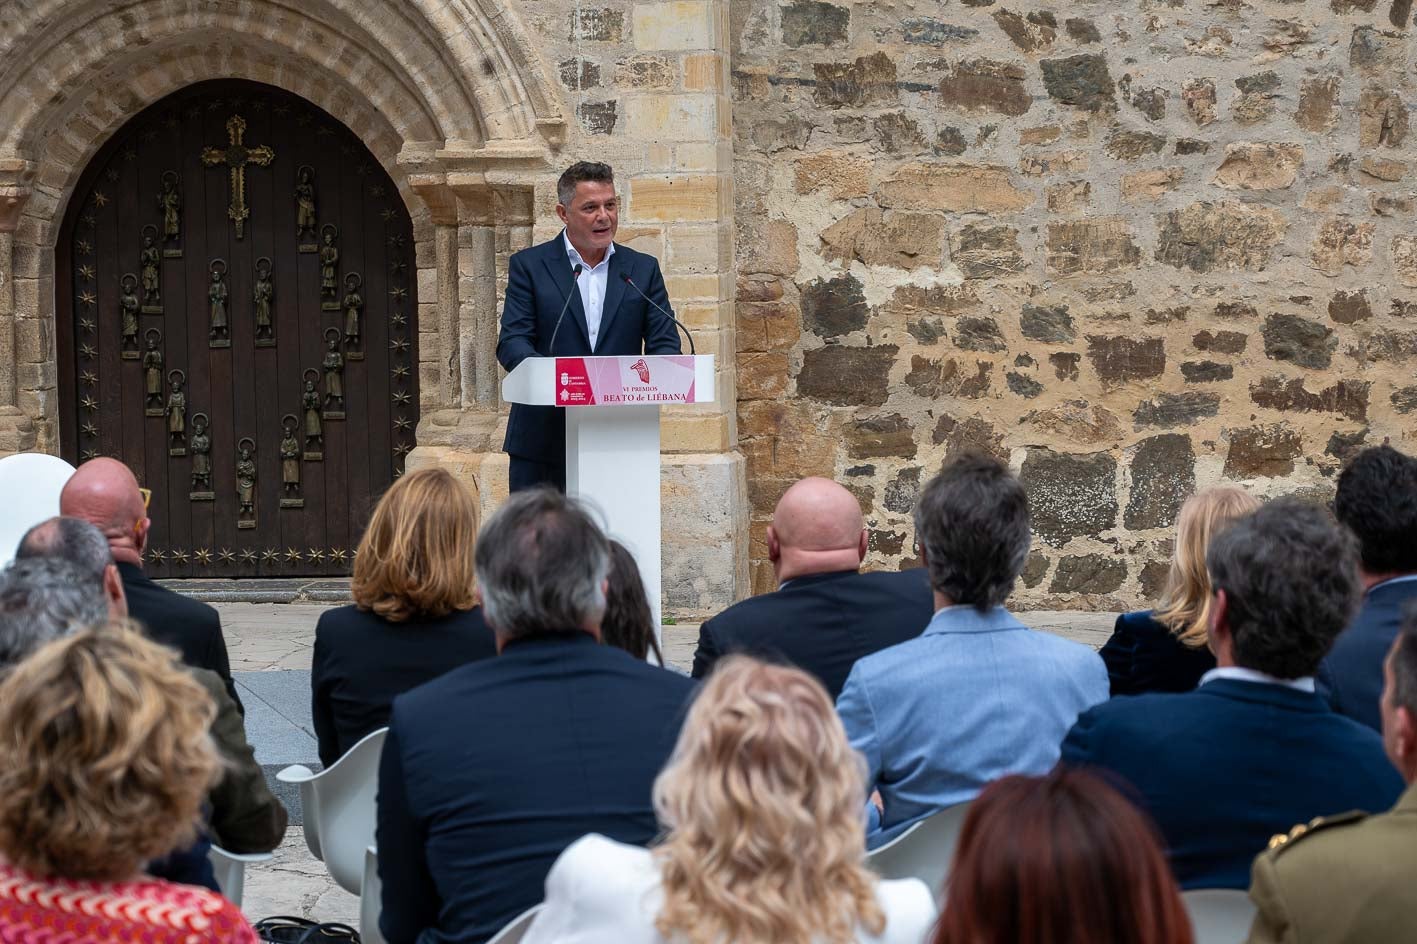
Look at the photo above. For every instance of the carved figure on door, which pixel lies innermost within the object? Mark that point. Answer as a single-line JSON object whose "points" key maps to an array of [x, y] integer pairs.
{"points": [[217, 296], [262, 294]]}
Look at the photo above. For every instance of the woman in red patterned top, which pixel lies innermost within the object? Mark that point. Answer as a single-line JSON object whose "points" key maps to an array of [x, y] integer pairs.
{"points": [[104, 761]]}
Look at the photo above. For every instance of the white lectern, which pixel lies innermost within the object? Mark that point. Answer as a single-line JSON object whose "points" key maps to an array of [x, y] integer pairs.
{"points": [[612, 435]]}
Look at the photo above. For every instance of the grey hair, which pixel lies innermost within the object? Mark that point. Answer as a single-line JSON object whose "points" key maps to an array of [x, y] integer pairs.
{"points": [[972, 521], [1290, 577], [41, 599], [541, 566], [580, 172], [71, 539]]}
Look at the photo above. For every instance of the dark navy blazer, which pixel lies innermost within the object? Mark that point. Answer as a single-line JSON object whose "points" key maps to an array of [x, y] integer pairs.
{"points": [[492, 770], [822, 623], [538, 283], [1145, 656], [1351, 676], [1227, 766]]}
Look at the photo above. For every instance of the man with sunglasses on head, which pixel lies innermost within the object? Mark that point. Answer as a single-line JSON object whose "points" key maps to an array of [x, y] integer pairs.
{"points": [[105, 493]]}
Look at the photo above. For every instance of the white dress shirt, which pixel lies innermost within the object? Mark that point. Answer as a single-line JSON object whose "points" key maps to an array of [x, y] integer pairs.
{"points": [[1305, 683], [591, 285]]}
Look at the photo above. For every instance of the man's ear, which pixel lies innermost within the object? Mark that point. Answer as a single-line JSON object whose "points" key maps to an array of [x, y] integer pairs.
{"points": [[774, 546], [141, 538], [113, 590], [1405, 742], [1218, 623], [561, 212], [863, 544]]}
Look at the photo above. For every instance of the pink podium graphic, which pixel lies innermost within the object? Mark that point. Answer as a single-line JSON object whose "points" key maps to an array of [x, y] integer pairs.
{"points": [[625, 381]]}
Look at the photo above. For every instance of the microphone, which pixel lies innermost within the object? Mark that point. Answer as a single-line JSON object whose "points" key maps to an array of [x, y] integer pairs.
{"points": [[575, 274], [662, 310]]}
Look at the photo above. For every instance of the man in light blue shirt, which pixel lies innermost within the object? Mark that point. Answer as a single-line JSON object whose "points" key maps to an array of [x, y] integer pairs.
{"points": [[978, 695]]}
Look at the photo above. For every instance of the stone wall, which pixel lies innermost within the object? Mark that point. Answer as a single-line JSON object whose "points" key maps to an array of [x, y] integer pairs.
{"points": [[1135, 248]]}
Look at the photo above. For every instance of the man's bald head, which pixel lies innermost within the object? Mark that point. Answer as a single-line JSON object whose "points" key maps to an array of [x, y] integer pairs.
{"points": [[105, 493], [816, 528]]}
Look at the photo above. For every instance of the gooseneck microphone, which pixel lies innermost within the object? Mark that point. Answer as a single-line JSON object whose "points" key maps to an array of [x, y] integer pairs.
{"points": [[575, 274], [662, 310]]}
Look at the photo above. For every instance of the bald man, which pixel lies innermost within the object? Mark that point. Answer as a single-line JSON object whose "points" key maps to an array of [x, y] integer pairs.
{"points": [[105, 493], [825, 613]]}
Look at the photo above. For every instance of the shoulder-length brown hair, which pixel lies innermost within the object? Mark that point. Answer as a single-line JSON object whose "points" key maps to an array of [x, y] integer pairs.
{"points": [[1060, 859], [416, 557], [104, 756], [1184, 607]]}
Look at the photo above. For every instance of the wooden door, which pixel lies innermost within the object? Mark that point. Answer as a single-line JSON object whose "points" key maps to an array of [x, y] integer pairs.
{"points": [[201, 312]]}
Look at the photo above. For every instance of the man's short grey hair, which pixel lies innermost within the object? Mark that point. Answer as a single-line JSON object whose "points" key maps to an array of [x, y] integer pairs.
{"points": [[71, 539], [578, 173], [1290, 576], [541, 566], [972, 522], [41, 599]]}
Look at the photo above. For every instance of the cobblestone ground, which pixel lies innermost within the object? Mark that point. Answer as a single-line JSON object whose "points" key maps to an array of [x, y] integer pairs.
{"points": [[270, 647]]}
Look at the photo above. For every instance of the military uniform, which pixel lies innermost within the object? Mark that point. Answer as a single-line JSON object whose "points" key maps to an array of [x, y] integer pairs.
{"points": [[1346, 878]]}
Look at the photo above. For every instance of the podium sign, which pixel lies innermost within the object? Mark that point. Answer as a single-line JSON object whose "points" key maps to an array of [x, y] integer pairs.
{"points": [[612, 435]]}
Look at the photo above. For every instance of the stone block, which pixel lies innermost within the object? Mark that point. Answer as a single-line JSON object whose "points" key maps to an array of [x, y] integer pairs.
{"points": [[646, 73], [1259, 166], [1044, 134], [1341, 242], [675, 198], [783, 441], [910, 301], [834, 307], [841, 176], [933, 379], [597, 25], [1404, 399], [1031, 33], [1199, 98], [1069, 197], [1081, 80], [1151, 184], [982, 251], [1124, 145], [704, 72], [1088, 573], [885, 436], [1055, 164], [1347, 398], [813, 23], [847, 376], [1065, 364], [1376, 52], [1034, 569], [1349, 307], [1262, 451], [578, 73], [1070, 495], [693, 432], [1169, 410], [903, 491], [1221, 342], [1082, 31], [1229, 235], [1381, 168], [1023, 385], [1077, 421], [986, 85], [1091, 246], [1122, 359], [599, 117], [979, 334], [899, 239], [673, 117], [1317, 98], [950, 141], [898, 133], [1385, 345], [970, 434], [1382, 118], [925, 31], [1052, 324], [762, 375], [1299, 341], [952, 188], [1404, 259], [1163, 477], [706, 533], [1206, 371], [867, 80], [675, 24]]}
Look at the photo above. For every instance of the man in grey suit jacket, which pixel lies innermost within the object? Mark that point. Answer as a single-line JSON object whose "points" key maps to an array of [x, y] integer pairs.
{"points": [[977, 695]]}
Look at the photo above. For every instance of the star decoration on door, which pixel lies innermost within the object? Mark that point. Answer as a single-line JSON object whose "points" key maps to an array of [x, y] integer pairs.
{"points": [[402, 449], [89, 429], [270, 554], [87, 352], [112, 174], [158, 555], [90, 220], [402, 398], [226, 557], [84, 247], [179, 556], [88, 454], [401, 371], [316, 555], [338, 555], [398, 345], [89, 402], [204, 556], [292, 555], [86, 324], [399, 293], [86, 272], [403, 422], [88, 377], [100, 199], [398, 319], [88, 298], [248, 556], [386, 214]]}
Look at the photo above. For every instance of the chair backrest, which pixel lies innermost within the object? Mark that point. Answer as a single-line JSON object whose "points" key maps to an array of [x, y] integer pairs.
{"points": [[371, 904], [516, 928], [1219, 915], [923, 851], [339, 810], [229, 868]]}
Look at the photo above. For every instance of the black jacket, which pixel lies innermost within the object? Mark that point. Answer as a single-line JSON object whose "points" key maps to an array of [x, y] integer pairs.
{"points": [[1144, 656], [821, 623], [189, 626], [491, 771], [362, 662], [1351, 675]]}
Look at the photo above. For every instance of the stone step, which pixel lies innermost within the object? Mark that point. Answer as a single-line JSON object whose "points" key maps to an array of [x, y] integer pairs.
{"points": [[264, 590]]}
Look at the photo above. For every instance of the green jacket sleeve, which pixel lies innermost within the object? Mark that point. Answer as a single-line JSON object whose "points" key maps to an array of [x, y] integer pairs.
{"points": [[1272, 924], [246, 816]]}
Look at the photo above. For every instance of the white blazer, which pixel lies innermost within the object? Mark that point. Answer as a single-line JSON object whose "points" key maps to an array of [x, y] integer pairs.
{"points": [[604, 892]]}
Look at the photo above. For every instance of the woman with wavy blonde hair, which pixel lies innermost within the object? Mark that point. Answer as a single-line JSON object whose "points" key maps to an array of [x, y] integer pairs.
{"points": [[104, 762], [1165, 650], [415, 614], [762, 801]]}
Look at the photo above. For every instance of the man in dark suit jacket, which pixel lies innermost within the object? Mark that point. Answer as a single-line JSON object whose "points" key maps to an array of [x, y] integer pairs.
{"points": [[1376, 500], [1253, 750], [105, 493], [605, 316], [825, 614], [491, 771]]}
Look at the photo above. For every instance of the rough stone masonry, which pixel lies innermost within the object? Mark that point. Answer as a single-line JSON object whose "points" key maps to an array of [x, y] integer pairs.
{"points": [[1135, 248]]}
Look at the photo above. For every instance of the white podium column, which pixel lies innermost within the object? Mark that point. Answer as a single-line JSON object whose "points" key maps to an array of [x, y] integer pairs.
{"points": [[612, 463]]}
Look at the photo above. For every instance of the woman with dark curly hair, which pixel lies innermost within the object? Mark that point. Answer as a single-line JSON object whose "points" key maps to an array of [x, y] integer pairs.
{"points": [[628, 622]]}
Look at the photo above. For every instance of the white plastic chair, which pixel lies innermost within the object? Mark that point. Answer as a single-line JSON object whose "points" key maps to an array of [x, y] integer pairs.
{"points": [[370, 900], [230, 870], [516, 928], [923, 851], [1219, 915], [339, 810], [31, 483]]}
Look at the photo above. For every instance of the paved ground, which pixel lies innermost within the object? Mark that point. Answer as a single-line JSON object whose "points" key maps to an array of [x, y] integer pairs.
{"points": [[270, 647]]}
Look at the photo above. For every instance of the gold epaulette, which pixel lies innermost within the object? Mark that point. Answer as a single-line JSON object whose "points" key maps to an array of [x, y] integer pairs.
{"points": [[1281, 840]]}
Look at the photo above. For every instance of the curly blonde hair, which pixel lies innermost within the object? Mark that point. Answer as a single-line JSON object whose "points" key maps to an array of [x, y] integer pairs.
{"points": [[763, 798], [416, 556], [104, 756], [1184, 607]]}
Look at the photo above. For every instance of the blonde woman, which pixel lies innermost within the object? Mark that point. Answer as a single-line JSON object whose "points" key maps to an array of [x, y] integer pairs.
{"points": [[1165, 650], [765, 844], [415, 613], [104, 763]]}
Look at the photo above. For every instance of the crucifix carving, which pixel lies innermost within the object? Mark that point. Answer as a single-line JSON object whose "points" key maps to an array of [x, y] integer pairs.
{"points": [[236, 156]]}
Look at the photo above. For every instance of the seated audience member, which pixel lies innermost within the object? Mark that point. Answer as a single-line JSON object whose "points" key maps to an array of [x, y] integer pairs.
{"points": [[104, 761], [825, 613], [104, 493], [492, 770], [1059, 859], [978, 695], [628, 622], [1253, 749], [414, 616], [1345, 879], [1165, 650], [1377, 501], [762, 802], [244, 815]]}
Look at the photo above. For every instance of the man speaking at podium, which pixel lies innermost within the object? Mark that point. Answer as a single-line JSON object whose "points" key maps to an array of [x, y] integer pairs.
{"points": [[577, 295]]}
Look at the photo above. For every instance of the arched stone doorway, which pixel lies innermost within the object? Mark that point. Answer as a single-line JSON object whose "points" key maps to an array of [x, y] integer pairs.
{"points": [[237, 321]]}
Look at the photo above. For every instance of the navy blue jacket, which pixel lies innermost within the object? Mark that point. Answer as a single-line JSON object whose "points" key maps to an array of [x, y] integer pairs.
{"points": [[821, 623], [538, 284], [1225, 767], [1144, 656], [1351, 676], [492, 770]]}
